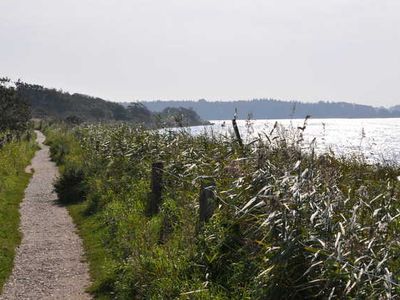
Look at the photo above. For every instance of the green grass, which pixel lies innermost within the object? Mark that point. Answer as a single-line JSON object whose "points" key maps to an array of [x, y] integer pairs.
{"points": [[14, 158], [91, 231]]}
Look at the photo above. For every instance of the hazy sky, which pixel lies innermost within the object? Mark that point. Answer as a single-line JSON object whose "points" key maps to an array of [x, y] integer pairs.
{"points": [[216, 49]]}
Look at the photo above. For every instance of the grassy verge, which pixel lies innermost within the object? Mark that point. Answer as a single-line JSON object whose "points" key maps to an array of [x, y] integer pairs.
{"points": [[287, 224], [91, 232], [68, 154], [14, 157]]}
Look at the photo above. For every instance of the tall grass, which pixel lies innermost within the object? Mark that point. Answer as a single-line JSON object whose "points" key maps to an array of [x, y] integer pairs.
{"points": [[14, 157], [288, 224]]}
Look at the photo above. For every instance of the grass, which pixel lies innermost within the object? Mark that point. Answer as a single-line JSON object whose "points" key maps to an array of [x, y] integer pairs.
{"points": [[91, 232], [287, 224], [14, 157]]}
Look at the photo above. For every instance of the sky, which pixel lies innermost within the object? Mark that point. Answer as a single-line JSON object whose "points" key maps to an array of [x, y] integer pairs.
{"points": [[128, 50]]}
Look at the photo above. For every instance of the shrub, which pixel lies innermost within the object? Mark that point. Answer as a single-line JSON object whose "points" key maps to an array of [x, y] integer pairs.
{"points": [[71, 187]]}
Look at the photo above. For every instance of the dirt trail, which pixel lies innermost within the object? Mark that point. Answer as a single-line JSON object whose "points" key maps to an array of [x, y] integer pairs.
{"points": [[49, 262]]}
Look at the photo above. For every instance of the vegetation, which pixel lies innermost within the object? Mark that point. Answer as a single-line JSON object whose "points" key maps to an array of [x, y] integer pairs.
{"points": [[276, 109], [16, 150], [287, 224], [179, 117], [77, 108], [14, 111], [14, 157], [56, 104]]}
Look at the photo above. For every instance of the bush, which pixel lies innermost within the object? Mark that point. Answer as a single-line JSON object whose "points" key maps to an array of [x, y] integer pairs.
{"points": [[70, 187], [65, 151]]}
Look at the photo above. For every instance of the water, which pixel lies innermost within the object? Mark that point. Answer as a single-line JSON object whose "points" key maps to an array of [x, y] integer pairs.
{"points": [[377, 140]]}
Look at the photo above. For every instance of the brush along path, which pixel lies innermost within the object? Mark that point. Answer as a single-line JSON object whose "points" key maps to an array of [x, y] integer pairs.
{"points": [[48, 263]]}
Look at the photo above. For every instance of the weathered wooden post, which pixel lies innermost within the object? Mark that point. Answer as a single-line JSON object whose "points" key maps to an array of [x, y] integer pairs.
{"points": [[156, 184], [237, 133], [207, 199], [97, 147]]}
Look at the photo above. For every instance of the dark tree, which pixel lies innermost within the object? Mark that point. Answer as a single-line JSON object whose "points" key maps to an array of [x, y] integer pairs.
{"points": [[180, 116], [73, 120], [14, 111], [139, 111]]}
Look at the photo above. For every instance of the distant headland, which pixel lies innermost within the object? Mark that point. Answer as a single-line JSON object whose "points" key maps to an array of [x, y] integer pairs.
{"points": [[276, 109]]}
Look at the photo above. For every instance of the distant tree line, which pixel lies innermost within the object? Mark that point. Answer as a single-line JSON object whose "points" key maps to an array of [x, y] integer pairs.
{"points": [[276, 109], [77, 108], [52, 103]]}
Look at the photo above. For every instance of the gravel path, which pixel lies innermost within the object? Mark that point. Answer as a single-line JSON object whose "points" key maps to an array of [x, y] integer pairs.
{"points": [[49, 262]]}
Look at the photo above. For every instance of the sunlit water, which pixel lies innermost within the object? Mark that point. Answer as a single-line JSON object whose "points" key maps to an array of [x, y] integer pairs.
{"points": [[377, 140]]}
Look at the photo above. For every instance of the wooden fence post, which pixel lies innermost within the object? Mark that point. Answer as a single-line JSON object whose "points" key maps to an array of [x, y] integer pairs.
{"points": [[237, 133], [207, 200], [156, 184]]}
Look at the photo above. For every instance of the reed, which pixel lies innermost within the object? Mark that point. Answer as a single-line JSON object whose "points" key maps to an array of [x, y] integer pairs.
{"points": [[286, 223]]}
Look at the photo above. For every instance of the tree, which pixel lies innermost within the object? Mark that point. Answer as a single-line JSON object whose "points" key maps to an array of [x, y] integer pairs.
{"points": [[14, 111], [73, 120], [139, 112]]}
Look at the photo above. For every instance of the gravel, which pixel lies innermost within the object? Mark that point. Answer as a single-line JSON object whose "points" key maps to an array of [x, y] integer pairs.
{"points": [[49, 263]]}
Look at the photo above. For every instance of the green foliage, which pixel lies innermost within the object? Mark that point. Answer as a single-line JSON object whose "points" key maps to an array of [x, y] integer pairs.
{"points": [[70, 187], [73, 120], [75, 109], [287, 224], [14, 157], [16, 150], [14, 111], [179, 117]]}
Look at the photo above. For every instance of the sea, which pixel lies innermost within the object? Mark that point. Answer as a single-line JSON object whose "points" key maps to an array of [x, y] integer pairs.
{"points": [[376, 140]]}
